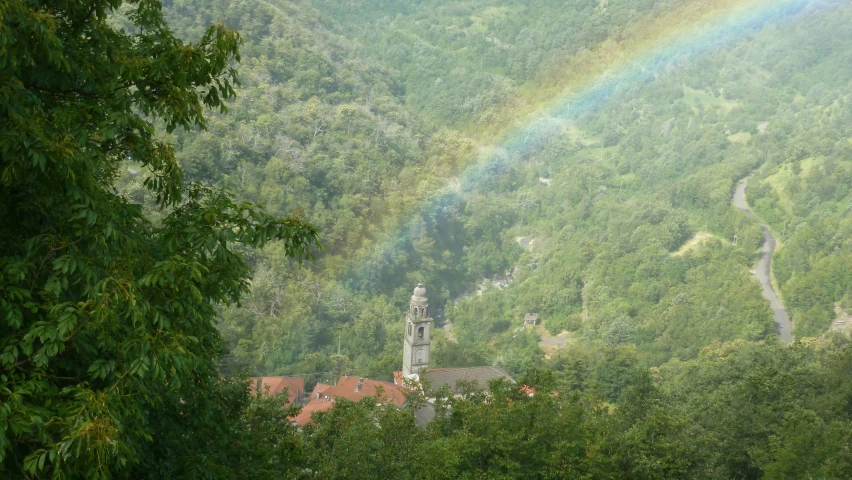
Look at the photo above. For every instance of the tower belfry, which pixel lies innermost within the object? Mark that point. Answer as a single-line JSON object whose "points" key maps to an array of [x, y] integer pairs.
{"points": [[418, 326]]}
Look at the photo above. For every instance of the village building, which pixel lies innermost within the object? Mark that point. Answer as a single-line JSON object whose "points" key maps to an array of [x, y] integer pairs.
{"points": [[531, 319], [456, 379], [418, 329], [308, 410], [273, 385], [351, 388], [415, 368], [416, 354]]}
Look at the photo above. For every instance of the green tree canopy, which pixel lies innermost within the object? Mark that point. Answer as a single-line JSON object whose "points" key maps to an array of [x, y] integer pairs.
{"points": [[106, 319]]}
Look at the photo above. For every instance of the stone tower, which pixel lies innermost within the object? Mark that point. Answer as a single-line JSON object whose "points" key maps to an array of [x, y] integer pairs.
{"points": [[418, 326]]}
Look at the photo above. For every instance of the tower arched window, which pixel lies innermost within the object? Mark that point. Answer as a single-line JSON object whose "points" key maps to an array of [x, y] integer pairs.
{"points": [[409, 329], [420, 332]]}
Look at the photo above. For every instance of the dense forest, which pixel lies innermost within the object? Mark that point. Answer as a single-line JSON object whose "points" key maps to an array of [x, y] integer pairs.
{"points": [[198, 191]]}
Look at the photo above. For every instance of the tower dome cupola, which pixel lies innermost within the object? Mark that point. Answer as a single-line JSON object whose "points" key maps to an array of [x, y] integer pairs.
{"points": [[419, 302]]}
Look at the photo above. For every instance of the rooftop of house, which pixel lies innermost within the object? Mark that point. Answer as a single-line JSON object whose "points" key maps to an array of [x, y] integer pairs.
{"points": [[351, 388], [320, 387], [355, 388], [478, 376], [272, 385], [313, 405]]}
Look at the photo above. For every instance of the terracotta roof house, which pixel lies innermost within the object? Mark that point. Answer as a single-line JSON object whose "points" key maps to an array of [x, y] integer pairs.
{"points": [[304, 416], [319, 388], [272, 385], [350, 388], [415, 365], [355, 388]]}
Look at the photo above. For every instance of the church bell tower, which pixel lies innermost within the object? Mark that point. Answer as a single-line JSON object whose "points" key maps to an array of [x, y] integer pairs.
{"points": [[418, 326]]}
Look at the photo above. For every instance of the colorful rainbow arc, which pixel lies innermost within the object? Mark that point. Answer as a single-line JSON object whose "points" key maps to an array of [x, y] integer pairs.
{"points": [[695, 28]]}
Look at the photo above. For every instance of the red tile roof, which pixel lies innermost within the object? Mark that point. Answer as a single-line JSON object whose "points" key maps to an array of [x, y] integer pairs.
{"points": [[318, 389], [313, 406], [347, 387], [321, 387], [527, 389], [271, 385]]}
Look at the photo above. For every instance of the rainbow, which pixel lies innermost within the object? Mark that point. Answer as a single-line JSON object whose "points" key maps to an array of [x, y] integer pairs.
{"points": [[590, 79]]}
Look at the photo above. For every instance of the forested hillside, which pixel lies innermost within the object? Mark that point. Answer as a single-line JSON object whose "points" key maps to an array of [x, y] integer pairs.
{"points": [[325, 128], [187, 205], [651, 168], [468, 63], [335, 120], [318, 132]]}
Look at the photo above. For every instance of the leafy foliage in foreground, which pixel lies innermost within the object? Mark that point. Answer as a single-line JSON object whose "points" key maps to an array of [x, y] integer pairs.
{"points": [[106, 320]]}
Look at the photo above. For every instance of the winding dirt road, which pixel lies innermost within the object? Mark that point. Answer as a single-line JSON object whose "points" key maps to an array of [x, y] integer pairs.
{"points": [[783, 326]]}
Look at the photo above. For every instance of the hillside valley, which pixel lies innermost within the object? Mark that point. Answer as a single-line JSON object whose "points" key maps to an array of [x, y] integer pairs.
{"points": [[630, 180], [631, 219]]}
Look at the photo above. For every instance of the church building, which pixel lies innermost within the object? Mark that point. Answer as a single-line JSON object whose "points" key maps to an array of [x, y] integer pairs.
{"points": [[415, 366], [418, 326], [416, 353]]}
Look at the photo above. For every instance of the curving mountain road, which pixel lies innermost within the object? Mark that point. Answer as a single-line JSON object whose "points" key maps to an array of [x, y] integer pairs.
{"points": [[783, 326]]}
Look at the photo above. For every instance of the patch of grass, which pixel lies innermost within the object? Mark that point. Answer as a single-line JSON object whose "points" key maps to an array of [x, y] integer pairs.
{"points": [[809, 164], [703, 100], [779, 181], [700, 98], [741, 137], [482, 19], [698, 240]]}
